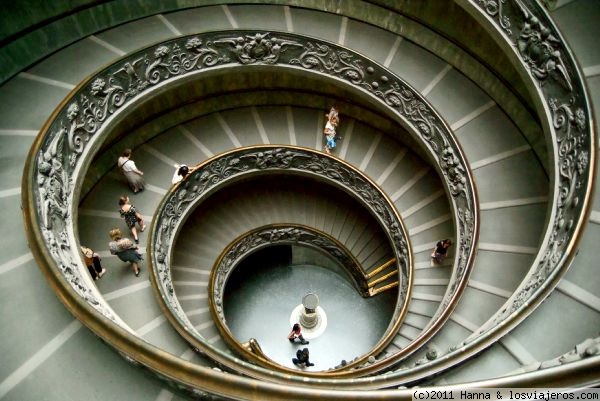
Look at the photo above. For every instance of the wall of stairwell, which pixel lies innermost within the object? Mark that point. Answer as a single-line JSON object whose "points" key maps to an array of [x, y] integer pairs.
{"points": [[443, 28]]}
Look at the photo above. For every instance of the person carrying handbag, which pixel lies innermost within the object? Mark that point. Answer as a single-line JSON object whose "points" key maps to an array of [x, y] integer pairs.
{"points": [[92, 261], [125, 250]]}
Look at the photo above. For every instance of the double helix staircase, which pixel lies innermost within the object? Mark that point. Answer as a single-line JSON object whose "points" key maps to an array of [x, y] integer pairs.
{"points": [[45, 348]]}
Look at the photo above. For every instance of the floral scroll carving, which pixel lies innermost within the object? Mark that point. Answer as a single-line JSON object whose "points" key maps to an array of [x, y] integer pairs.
{"points": [[494, 8], [543, 53], [54, 185], [324, 58], [540, 50], [537, 43], [260, 47]]}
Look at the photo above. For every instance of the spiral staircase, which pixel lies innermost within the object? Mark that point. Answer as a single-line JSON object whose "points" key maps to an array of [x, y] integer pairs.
{"points": [[489, 316]]}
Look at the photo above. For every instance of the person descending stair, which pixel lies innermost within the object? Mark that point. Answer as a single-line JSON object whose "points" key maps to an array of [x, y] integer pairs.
{"points": [[181, 171], [92, 261], [331, 137], [440, 251], [125, 250], [131, 172], [131, 216]]}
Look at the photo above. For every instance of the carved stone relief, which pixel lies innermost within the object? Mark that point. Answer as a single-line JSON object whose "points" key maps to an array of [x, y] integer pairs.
{"points": [[551, 67]]}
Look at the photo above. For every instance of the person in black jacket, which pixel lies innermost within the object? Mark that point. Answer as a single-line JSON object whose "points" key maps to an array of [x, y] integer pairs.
{"points": [[302, 358], [440, 251]]}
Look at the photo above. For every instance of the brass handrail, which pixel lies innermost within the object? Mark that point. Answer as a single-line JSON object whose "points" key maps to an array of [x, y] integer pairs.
{"points": [[77, 145], [380, 268], [239, 164], [568, 121], [379, 290], [248, 243], [380, 279]]}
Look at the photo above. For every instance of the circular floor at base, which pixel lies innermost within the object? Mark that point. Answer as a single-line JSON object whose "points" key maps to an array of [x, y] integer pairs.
{"points": [[259, 306]]}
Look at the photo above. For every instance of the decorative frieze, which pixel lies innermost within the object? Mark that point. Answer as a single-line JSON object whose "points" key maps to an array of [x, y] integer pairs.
{"points": [[551, 67]]}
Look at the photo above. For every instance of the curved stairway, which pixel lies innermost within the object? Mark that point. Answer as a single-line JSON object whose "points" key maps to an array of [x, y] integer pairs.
{"points": [[209, 234], [233, 213], [511, 183]]}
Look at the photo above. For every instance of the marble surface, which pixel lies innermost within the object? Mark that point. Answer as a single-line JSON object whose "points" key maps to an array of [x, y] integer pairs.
{"points": [[259, 306]]}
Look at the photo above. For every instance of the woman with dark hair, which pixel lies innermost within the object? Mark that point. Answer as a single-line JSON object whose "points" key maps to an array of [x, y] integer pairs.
{"points": [[440, 251], [181, 171], [296, 333], [131, 216]]}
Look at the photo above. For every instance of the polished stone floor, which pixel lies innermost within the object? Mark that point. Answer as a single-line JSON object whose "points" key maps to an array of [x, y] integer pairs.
{"points": [[259, 303]]}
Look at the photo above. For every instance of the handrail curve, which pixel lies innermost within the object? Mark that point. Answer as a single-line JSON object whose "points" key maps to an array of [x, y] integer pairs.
{"points": [[528, 35], [266, 236], [74, 134], [551, 67], [240, 164], [533, 40]]}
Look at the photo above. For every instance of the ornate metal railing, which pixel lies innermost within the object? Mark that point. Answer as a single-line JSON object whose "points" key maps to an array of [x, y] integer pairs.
{"points": [[530, 38], [534, 41], [223, 170], [77, 129]]}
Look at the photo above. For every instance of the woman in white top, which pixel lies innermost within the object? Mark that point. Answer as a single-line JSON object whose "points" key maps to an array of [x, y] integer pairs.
{"points": [[181, 171], [131, 172]]}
